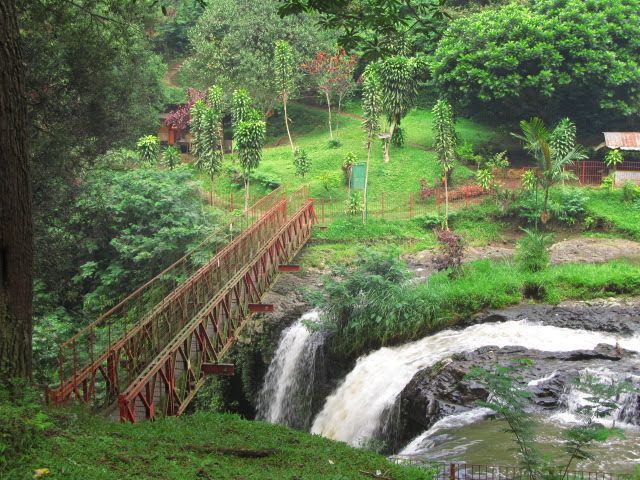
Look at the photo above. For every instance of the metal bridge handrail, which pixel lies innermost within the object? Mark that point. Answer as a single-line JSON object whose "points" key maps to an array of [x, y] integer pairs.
{"points": [[154, 366], [89, 331]]}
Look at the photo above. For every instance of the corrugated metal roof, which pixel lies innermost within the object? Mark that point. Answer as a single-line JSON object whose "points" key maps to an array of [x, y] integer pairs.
{"points": [[622, 140]]}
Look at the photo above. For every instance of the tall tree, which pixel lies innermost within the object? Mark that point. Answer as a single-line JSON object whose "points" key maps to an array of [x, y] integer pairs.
{"points": [[206, 132], [250, 136], [333, 77], [445, 145], [232, 46], [399, 82], [284, 68], [371, 110], [16, 227]]}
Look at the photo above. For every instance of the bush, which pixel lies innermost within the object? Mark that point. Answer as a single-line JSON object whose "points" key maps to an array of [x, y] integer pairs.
{"points": [[22, 423], [354, 204], [570, 206], [267, 179], [532, 253], [334, 143], [301, 162], [630, 192], [398, 138], [451, 252], [347, 164]]}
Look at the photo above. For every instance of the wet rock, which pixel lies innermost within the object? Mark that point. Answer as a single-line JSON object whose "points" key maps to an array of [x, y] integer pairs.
{"points": [[443, 389], [604, 315]]}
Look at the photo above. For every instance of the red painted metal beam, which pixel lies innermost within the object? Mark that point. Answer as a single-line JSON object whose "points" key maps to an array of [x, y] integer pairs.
{"points": [[260, 307], [288, 268], [227, 369]]}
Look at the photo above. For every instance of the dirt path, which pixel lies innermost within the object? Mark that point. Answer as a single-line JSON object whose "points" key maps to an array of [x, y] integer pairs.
{"points": [[172, 72], [575, 250]]}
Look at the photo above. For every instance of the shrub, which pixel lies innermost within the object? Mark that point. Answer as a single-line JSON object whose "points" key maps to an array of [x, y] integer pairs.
{"points": [[354, 204], [171, 156], [334, 143], [347, 164], [467, 154], [630, 192], [22, 423], [148, 148], [570, 206], [267, 179], [451, 251], [425, 190], [608, 182], [301, 162], [118, 159], [398, 138], [532, 253]]}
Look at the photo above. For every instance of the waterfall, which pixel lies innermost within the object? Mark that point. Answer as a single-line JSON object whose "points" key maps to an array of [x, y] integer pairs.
{"points": [[354, 412], [425, 441], [287, 392], [627, 415]]}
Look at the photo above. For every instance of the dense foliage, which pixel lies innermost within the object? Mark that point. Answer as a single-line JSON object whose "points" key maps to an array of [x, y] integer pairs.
{"points": [[232, 45], [547, 58], [126, 227]]}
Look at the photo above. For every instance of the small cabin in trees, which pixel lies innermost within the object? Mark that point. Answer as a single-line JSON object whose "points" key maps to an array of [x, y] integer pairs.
{"points": [[173, 136]]}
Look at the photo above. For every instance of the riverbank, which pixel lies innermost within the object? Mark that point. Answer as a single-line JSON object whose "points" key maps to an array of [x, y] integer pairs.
{"points": [[201, 446]]}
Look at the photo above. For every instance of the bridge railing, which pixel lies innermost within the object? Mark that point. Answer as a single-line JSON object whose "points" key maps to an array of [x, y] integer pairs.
{"points": [[81, 354], [170, 380]]}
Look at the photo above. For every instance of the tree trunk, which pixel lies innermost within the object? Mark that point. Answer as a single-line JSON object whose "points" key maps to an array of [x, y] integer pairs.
{"points": [[387, 144], [246, 192], [446, 201], [286, 121], [366, 181], [16, 227], [330, 119]]}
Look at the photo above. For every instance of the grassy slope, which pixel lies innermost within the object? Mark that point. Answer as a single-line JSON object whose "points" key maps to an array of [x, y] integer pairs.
{"points": [[609, 206], [309, 129], [88, 447]]}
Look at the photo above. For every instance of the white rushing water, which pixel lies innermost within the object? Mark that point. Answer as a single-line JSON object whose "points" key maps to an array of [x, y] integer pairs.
{"points": [[286, 394], [423, 441], [627, 415], [354, 412]]}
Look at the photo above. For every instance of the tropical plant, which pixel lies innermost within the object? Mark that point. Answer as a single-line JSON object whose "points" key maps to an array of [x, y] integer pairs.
{"points": [[399, 77], [148, 148], [532, 250], [354, 204], [371, 111], [445, 142], [171, 156], [613, 158], [301, 162], [529, 180], [284, 69], [484, 178], [209, 156], [216, 100], [551, 166], [249, 136], [241, 106], [347, 166]]}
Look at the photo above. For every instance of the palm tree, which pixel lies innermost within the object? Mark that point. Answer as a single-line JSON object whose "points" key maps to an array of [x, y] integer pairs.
{"points": [[551, 164]]}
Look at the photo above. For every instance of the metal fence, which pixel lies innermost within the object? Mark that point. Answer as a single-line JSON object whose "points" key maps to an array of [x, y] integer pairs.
{"points": [[592, 172], [463, 471], [402, 206]]}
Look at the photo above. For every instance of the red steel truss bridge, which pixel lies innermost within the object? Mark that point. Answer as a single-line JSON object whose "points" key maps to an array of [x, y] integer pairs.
{"points": [[150, 353]]}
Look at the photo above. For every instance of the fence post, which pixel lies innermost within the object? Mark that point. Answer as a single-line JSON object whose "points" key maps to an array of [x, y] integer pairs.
{"points": [[410, 205], [452, 471], [324, 221], [382, 204]]}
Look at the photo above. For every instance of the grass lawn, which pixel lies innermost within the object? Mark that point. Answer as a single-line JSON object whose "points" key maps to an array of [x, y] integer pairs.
{"points": [[83, 446], [310, 131], [610, 207]]}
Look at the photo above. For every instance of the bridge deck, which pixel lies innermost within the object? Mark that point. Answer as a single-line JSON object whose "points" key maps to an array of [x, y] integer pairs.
{"points": [[108, 357]]}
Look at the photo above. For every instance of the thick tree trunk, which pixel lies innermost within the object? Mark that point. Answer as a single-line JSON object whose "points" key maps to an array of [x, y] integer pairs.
{"points": [[16, 228]]}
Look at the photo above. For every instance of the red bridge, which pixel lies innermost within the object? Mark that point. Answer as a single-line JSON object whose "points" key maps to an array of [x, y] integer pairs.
{"points": [[151, 352]]}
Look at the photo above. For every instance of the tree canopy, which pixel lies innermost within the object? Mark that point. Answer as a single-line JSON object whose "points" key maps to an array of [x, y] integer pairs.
{"points": [[233, 46], [549, 58]]}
